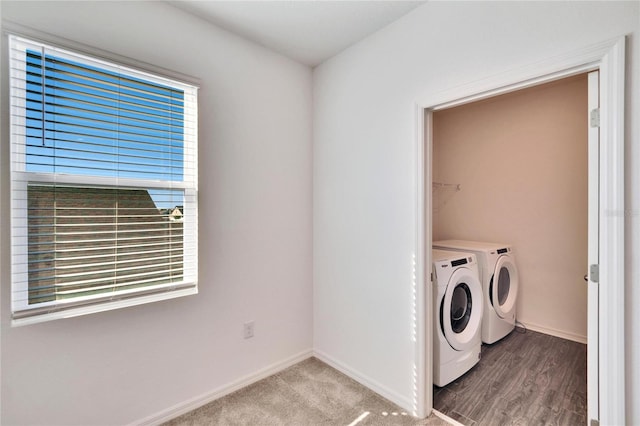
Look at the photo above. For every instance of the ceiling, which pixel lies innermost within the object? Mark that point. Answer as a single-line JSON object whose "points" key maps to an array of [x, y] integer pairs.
{"points": [[306, 31]]}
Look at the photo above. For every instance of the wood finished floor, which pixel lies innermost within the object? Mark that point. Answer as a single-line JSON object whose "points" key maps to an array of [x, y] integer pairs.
{"points": [[524, 379]]}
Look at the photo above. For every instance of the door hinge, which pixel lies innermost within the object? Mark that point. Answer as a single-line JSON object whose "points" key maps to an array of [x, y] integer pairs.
{"points": [[594, 422], [432, 277], [594, 273], [594, 117]]}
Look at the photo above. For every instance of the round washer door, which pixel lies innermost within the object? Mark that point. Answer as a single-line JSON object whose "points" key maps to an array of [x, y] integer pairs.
{"points": [[503, 288], [461, 309]]}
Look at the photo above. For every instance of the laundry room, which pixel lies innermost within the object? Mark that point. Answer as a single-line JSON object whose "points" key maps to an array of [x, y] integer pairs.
{"points": [[513, 169]]}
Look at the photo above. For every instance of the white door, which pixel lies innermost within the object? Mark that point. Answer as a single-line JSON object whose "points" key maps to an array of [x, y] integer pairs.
{"points": [[504, 288], [593, 252], [461, 309]]}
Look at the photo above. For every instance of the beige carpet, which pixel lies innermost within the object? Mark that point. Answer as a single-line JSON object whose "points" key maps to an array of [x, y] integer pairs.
{"points": [[308, 393]]}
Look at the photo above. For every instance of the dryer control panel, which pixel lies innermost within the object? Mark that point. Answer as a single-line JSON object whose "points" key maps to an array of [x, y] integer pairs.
{"points": [[459, 262]]}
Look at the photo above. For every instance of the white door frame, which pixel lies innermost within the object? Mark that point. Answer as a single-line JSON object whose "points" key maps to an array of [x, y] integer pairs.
{"points": [[593, 249], [609, 58]]}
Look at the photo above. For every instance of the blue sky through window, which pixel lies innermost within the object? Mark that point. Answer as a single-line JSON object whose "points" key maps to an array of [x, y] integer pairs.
{"points": [[86, 120]]}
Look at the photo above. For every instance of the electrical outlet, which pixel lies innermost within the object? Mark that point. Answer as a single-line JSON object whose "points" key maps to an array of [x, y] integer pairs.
{"points": [[248, 329]]}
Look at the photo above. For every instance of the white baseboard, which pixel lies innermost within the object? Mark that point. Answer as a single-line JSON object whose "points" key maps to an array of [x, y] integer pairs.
{"points": [[553, 332], [446, 418], [199, 401], [366, 381]]}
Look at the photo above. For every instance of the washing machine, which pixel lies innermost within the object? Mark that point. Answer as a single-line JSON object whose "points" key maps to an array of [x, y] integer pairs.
{"points": [[457, 300], [499, 277]]}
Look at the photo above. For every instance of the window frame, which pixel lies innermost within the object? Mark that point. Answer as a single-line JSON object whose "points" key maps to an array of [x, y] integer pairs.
{"points": [[22, 313]]}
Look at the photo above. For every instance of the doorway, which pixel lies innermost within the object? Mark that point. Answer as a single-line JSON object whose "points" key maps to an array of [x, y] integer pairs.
{"points": [[513, 169], [607, 400]]}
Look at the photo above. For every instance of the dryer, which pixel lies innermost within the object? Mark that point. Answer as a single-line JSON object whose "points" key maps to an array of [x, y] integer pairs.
{"points": [[457, 302], [499, 277]]}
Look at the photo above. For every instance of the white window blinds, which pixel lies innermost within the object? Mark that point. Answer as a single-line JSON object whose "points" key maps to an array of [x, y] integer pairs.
{"points": [[104, 184]]}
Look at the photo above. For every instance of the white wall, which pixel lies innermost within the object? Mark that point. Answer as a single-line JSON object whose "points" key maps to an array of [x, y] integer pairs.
{"points": [[365, 165], [255, 233], [521, 161]]}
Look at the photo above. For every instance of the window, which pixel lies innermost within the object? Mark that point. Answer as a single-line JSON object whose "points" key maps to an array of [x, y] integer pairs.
{"points": [[103, 184]]}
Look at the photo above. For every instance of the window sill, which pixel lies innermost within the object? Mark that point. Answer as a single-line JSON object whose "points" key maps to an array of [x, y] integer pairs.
{"points": [[102, 307]]}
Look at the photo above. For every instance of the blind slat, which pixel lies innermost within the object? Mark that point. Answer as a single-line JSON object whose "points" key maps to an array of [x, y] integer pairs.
{"points": [[66, 251], [97, 257], [100, 286], [118, 269]]}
